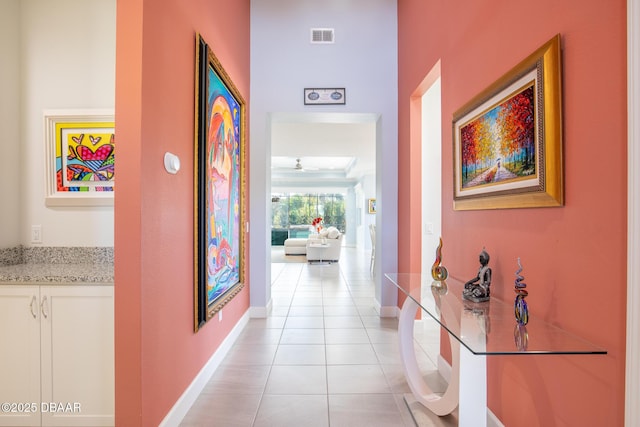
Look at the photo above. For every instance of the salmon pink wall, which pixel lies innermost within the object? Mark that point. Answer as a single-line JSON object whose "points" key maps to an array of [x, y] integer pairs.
{"points": [[574, 256], [157, 353]]}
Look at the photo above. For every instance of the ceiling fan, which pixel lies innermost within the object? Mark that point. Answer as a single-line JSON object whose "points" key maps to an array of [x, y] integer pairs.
{"points": [[300, 168]]}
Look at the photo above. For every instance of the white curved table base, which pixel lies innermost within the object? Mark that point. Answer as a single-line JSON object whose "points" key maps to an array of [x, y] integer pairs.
{"points": [[470, 393]]}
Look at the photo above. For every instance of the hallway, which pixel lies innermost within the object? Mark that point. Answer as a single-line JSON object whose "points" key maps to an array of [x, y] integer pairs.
{"points": [[322, 358]]}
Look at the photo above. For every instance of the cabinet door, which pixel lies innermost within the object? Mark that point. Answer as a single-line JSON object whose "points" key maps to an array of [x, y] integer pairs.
{"points": [[78, 356], [19, 356]]}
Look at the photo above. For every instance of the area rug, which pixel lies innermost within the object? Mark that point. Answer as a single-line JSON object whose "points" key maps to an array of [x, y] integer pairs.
{"points": [[277, 255]]}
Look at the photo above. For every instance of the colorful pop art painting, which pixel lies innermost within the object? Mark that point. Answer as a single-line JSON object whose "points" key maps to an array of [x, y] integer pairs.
{"points": [[219, 189], [80, 148], [507, 141], [85, 158]]}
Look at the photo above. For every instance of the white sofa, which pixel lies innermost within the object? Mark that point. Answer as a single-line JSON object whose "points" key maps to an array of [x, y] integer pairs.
{"points": [[295, 246], [325, 247], [308, 246], [319, 249]]}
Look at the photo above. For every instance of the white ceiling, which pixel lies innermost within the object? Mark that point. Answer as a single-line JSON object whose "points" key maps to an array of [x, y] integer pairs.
{"points": [[343, 148]]}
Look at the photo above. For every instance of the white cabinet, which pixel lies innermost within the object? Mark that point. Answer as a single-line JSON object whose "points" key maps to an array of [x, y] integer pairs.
{"points": [[56, 356], [19, 355]]}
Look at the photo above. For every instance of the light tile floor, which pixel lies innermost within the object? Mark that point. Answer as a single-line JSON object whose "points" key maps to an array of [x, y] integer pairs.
{"points": [[323, 357]]}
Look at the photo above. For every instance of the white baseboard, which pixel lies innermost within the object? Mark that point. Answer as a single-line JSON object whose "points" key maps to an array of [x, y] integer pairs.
{"points": [[177, 413], [261, 312], [388, 311], [492, 420]]}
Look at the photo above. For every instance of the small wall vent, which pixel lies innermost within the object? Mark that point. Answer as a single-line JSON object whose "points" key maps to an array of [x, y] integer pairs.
{"points": [[322, 35]]}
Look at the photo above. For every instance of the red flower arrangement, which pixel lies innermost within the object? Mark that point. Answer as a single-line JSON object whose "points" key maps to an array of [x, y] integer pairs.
{"points": [[317, 224]]}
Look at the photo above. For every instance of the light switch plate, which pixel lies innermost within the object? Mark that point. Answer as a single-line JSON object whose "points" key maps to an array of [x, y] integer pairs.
{"points": [[36, 234]]}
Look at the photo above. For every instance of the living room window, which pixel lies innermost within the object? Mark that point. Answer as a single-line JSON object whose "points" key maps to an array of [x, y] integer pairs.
{"points": [[293, 213]]}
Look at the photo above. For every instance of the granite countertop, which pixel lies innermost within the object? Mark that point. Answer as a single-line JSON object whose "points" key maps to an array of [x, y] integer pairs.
{"points": [[61, 274], [56, 266]]}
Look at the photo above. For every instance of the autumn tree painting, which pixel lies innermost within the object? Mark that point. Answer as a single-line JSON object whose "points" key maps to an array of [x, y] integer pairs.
{"points": [[499, 145], [508, 138]]}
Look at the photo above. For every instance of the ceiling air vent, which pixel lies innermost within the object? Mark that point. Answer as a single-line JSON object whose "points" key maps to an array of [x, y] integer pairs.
{"points": [[322, 35]]}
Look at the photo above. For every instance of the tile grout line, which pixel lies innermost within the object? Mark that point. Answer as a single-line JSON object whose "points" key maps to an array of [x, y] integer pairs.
{"points": [[264, 389]]}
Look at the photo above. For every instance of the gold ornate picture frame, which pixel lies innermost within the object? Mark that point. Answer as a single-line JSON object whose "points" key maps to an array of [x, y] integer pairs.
{"points": [[507, 141], [219, 187]]}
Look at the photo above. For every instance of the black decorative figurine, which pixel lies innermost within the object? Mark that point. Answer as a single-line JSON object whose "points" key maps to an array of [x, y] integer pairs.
{"points": [[478, 288]]}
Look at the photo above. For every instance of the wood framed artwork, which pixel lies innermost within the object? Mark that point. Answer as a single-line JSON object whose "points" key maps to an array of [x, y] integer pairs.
{"points": [[372, 205], [507, 141], [219, 186], [80, 157]]}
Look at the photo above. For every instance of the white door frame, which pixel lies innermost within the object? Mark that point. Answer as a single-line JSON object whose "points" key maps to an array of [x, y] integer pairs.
{"points": [[428, 97], [632, 374]]}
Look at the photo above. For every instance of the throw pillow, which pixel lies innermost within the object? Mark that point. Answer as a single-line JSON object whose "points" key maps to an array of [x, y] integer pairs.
{"points": [[333, 233]]}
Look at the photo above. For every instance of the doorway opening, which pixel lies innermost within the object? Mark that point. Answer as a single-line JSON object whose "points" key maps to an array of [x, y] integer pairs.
{"points": [[326, 161], [431, 172]]}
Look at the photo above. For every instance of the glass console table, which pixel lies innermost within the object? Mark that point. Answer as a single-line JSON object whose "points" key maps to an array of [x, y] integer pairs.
{"points": [[476, 330]]}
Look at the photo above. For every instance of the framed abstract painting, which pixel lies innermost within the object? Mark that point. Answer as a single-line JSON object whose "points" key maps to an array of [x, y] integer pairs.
{"points": [[219, 186], [80, 157], [507, 141]]}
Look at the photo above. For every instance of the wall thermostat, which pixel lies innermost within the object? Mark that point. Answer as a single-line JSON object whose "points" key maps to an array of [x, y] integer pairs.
{"points": [[171, 163]]}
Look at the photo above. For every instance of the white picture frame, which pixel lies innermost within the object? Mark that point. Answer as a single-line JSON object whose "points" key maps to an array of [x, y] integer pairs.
{"points": [[79, 157]]}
